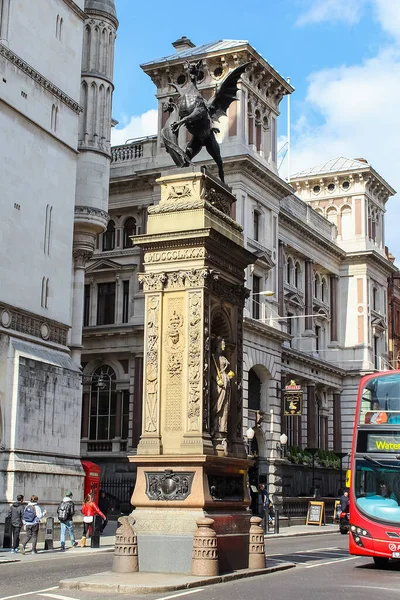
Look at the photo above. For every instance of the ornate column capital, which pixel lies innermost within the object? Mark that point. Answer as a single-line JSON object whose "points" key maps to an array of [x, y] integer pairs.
{"points": [[81, 257]]}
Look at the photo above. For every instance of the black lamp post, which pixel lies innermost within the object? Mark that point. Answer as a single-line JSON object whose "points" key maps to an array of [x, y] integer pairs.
{"points": [[313, 452]]}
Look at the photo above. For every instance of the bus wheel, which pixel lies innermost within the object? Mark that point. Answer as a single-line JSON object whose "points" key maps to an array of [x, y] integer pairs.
{"points": [[380, 562]]}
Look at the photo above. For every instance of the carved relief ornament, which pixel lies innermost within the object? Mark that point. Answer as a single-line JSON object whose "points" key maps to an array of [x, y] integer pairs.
{"points": [[177, 279]]}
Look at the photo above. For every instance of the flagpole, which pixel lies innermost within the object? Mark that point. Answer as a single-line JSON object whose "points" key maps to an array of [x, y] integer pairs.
{"points": [[288, 134]]}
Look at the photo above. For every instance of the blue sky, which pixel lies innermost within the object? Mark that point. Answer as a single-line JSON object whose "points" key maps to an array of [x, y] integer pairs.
{"points": [[343, 58]]}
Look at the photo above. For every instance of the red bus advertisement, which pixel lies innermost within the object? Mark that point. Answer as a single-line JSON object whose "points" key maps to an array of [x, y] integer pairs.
{"points": [[375, 470]]}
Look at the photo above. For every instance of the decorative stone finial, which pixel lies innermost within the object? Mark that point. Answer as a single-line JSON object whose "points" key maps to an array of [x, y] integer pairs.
{"points": [[126, 549]]}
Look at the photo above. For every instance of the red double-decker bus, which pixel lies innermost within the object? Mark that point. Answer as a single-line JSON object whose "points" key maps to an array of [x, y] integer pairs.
{"points": [[375, 469]]}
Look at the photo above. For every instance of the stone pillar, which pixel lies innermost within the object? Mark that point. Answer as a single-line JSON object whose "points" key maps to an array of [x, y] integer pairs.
{"points": [[281, 275], [85, 415], [118, 414], [191, 460], [311, 417], [308, 295], [80, 259], [137, 401], [126, 548], [334, 308]]}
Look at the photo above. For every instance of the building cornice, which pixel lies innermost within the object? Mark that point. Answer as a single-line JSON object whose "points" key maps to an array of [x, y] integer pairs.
{"points": [[96, 75], [93, 13], [75, 8], [265, 330], [331, 247], [23, 66], [13, 319], [375, 257], [313, 362]]}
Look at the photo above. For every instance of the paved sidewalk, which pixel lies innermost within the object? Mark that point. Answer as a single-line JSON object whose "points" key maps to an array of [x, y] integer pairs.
{"points": [[297, 530]]}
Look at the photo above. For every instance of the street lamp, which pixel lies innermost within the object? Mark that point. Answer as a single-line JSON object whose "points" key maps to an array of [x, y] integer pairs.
{"points": [[281, 445]]}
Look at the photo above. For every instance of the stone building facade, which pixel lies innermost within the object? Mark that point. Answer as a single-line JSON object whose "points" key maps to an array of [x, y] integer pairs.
{"points": [[318, 273], [41, 112]]}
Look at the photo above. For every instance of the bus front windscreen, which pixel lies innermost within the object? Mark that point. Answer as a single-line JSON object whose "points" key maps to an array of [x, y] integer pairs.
{"points": [[377, 489], [380, 401]]}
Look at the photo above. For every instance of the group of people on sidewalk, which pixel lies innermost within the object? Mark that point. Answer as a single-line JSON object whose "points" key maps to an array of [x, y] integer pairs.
{"points": [[27, 517]]}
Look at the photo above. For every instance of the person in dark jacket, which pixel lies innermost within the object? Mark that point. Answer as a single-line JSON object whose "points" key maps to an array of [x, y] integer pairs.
{"points": [[16, 513], [104, 506], [344, 501]]}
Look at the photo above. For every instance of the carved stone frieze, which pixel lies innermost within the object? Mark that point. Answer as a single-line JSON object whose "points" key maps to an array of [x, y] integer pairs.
{"points": [[18, 320], [175, 255], [188, 204], [168, 485], [177, 279], [219, 200], [178, 192], [152, 281], [229, 293], [152, 352], [239, 375], [174, 345], [39, 78], [194, 360], [89, 211], [206, 363]]}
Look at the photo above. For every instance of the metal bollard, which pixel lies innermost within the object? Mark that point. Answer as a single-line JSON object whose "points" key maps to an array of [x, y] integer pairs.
{"points": [[276, 524], [49, 534], [7, 533], [95, 539]]}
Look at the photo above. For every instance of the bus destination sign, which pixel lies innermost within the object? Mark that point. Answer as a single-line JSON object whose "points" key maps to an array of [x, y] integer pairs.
{"points": [[383, 443]]}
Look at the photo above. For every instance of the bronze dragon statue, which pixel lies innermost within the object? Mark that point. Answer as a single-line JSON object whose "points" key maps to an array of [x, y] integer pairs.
{"points": [[198, 116]]}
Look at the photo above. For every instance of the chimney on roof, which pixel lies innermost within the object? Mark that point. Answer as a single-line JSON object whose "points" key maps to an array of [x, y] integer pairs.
{"points": [[183, 44], [362, 160]]}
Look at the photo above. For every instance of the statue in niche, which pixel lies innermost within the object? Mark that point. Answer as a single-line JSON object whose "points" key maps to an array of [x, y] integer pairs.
{"points": [[197, 114], [220, 392]]}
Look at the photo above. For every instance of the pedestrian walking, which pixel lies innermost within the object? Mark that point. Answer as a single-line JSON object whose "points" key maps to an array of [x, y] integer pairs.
{"points": [[32, 515], [16, 514], [104, 506], [89, 510], [65, 513]]}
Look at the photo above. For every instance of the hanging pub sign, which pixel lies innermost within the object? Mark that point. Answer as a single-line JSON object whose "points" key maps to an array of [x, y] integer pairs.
{"points": [[292, 399]]}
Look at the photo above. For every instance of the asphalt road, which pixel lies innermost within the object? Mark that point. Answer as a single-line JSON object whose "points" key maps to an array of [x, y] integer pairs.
{"points": [[324, 571]]}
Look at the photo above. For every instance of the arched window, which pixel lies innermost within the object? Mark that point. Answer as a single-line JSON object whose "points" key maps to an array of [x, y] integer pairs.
{"points": [[346, 222], [289, 270], [109, 237], [317, 284], [323, 289], [256, 226], [297, 275], [254, 399], [129, 230], [331, 215]]}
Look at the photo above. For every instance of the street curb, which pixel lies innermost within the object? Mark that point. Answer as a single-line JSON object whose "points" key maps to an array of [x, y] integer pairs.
{"points": [[275, 536], [124, 588], [3, 561]]}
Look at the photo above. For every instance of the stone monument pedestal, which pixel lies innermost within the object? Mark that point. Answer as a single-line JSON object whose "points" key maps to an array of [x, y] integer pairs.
{"points": [[191, 460]]}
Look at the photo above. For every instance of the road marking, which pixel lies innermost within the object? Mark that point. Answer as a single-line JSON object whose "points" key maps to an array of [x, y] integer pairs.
{"points": [[369, 587], [318, 549], [330, 562], [57, 596], [175, 595], [29, 593]]}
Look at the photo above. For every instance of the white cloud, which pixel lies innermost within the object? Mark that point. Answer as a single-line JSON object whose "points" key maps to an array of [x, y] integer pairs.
{"points": [[388, 13], [348, 11], [137, 126], [359, 107]]}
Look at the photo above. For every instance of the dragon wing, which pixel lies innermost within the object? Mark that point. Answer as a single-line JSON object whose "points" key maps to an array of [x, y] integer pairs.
{"points": [[225, 94]]}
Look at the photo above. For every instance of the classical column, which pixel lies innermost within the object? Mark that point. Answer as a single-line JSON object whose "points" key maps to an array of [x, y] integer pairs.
{"points": [[137, 401], [281, 270], [334, 308], [311, 416], [308, 295], [80, 259], [337, 422]]}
